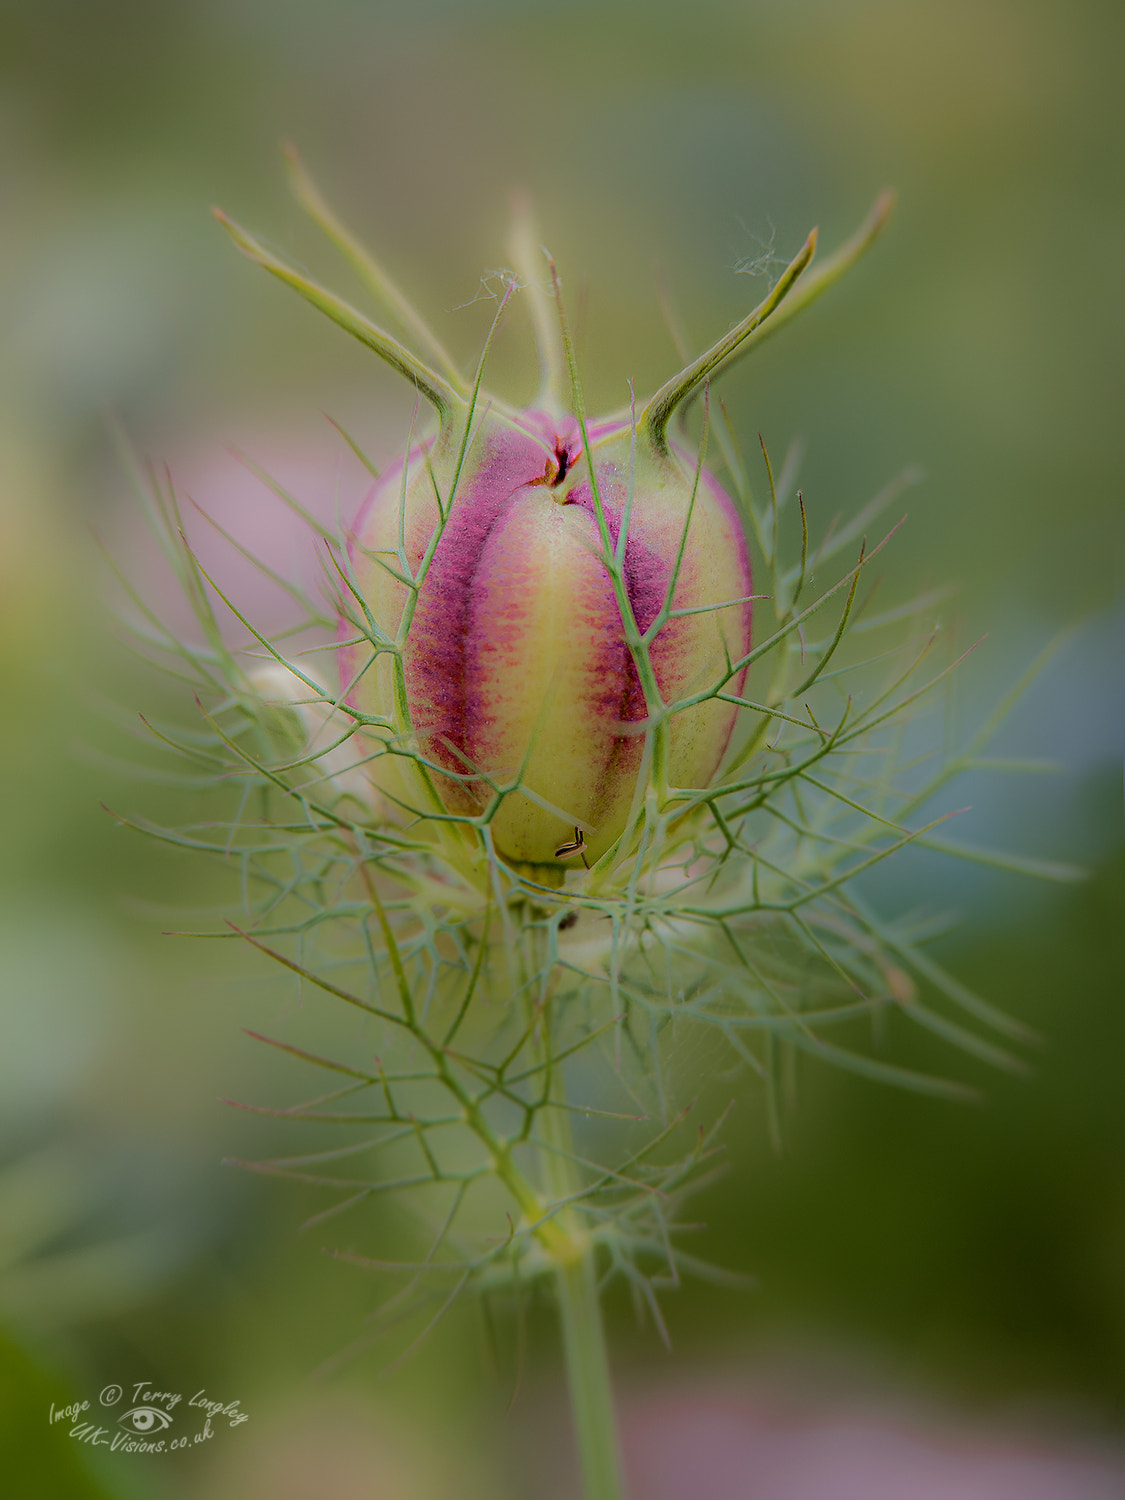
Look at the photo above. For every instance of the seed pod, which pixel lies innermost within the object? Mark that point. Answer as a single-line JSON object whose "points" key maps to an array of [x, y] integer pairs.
{"points": [[535, 593], [516, 662]]}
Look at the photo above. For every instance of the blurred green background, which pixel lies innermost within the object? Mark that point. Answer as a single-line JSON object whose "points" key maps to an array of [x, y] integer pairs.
{"points": [[973, 1255]]}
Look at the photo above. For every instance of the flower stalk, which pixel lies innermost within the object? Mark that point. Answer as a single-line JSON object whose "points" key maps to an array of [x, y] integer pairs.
{"points": [[587, 1370]]}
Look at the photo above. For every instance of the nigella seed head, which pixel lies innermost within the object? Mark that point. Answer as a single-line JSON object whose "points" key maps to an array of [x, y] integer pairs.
{"points": [[549, 616]]}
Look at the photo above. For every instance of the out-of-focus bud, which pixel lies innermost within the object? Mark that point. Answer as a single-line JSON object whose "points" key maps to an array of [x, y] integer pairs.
{"points": [[544, 609], [308, 729]]}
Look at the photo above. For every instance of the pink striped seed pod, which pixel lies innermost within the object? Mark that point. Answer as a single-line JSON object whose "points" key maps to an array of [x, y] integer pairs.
{"points": [[542, 610], [516, 668]]}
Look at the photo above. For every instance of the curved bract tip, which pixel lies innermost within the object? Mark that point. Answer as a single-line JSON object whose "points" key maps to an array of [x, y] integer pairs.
{"points": [[655, 417], [434, 387], [796, 288], [376, 279], [532, 265]]}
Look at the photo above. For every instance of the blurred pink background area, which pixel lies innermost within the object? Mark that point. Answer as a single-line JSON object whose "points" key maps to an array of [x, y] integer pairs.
{"points": [[713, 1443], [233, 478]]}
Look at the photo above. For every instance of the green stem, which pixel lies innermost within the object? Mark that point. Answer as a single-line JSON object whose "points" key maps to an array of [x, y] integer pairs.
{"points": [[580, 1317], [587, 1370]]}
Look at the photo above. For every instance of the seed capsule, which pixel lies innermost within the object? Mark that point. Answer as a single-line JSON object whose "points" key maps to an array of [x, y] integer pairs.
{"points": [[515, 667], [535, 593]]}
